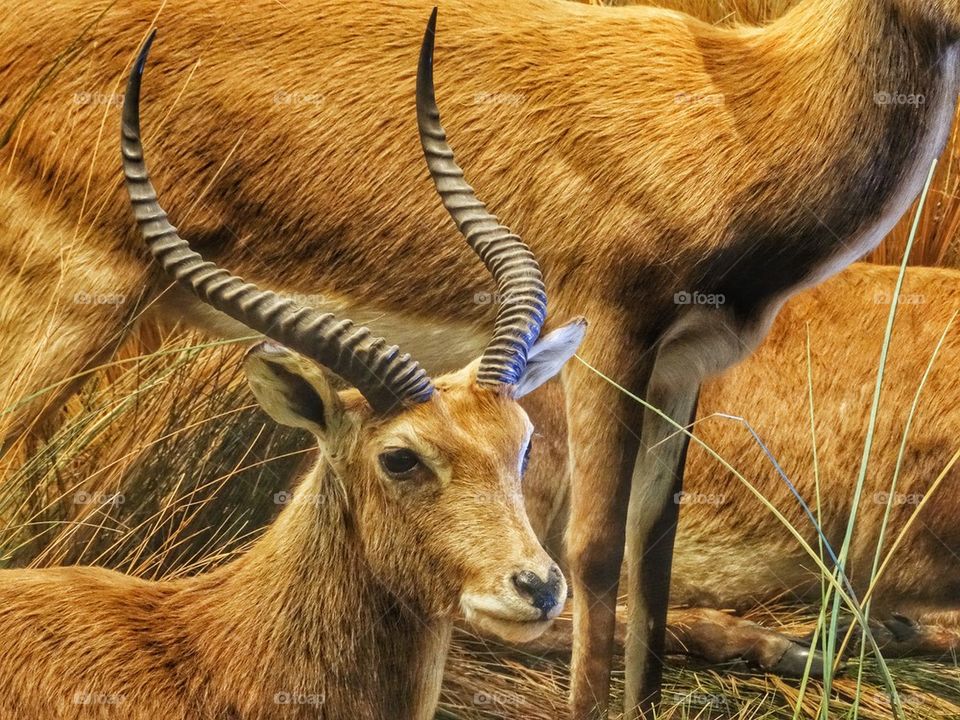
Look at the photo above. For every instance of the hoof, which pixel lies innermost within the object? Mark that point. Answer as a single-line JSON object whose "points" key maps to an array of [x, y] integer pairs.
{"points": [[793, 663], [896, 636], [902, 628]]}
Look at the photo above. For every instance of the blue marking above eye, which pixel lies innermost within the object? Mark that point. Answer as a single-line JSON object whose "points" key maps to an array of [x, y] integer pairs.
{"points": [[526, 457]]}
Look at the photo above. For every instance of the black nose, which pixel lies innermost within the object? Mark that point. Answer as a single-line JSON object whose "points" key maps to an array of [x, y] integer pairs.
{"points": [[543, 594]]}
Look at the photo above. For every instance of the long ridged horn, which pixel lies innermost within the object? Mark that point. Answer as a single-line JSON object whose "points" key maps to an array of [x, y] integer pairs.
{"points": [[522, 298], [386, 378]]}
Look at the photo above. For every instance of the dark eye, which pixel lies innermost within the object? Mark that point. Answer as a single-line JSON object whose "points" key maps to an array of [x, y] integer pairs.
{"points": [[399, 463], [526, 457]]}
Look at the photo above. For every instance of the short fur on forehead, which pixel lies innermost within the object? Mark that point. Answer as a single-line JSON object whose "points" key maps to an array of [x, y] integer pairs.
{"points": [[297, 392]]}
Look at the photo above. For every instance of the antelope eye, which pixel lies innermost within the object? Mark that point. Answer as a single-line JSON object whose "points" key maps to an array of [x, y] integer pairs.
{"points": [[399, 463]]}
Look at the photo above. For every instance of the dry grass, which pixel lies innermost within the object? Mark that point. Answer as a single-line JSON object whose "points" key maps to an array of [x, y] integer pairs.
{"points": [[486, 681], [162, 464]]}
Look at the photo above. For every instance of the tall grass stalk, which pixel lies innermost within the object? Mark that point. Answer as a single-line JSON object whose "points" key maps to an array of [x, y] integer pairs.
{"points": [[893, 489], [901, 453], [821, 619], [829, 656]]}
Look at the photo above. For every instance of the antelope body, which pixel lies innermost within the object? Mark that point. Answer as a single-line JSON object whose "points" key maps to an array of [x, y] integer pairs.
{"points": [[731, 552], [344, 607], [922, 580], [778, 168]]}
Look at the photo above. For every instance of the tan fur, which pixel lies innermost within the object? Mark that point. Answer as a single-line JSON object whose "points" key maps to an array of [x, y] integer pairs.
{"points": [[641, 153], [850, 309], [733, 553], [716, 11], [342, 609]]}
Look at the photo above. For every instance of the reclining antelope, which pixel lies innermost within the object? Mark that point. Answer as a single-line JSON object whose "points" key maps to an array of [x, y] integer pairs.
{"points": [[915, 597], [784, 170], [731, 552], [343, 607]]}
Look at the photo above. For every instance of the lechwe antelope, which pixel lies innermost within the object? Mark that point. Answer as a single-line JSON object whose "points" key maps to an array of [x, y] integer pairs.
{"points": [[916, 596], [731, 552], [645, 154], [343, 608]]}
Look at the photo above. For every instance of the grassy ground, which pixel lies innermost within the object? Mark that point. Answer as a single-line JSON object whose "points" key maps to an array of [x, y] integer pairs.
{"points": [[482, 682]]}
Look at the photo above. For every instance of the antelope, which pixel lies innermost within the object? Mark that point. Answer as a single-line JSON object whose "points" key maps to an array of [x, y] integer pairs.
{"points": [[915, 599], [653, 159], [343, 608], [731, 553]]}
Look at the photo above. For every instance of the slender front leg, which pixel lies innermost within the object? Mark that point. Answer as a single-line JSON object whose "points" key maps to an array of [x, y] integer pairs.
{"points": [[651, 528], [603, 443]]}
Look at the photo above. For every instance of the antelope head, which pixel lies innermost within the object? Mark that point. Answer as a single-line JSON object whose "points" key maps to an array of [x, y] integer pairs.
{"points": [[430, 469]]}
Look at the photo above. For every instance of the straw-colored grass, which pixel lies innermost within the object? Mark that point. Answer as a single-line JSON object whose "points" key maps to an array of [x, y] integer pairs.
{"points": [[163, 464], [484, 681]]}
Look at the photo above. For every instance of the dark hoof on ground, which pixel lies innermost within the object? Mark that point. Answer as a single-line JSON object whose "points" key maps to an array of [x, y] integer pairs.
{"points": [[902, 628], [793, 663], [896, 635]]}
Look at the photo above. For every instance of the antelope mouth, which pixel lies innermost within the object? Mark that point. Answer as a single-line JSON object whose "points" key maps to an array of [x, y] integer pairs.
{"points": [[502, 620]]}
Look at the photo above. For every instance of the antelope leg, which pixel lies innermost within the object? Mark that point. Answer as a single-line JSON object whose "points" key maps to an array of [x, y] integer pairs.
{"points": [[651, 528]]}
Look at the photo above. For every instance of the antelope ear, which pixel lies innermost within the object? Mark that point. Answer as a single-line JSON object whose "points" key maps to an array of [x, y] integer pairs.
{"points": [[293, 390], [549, 354]]}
